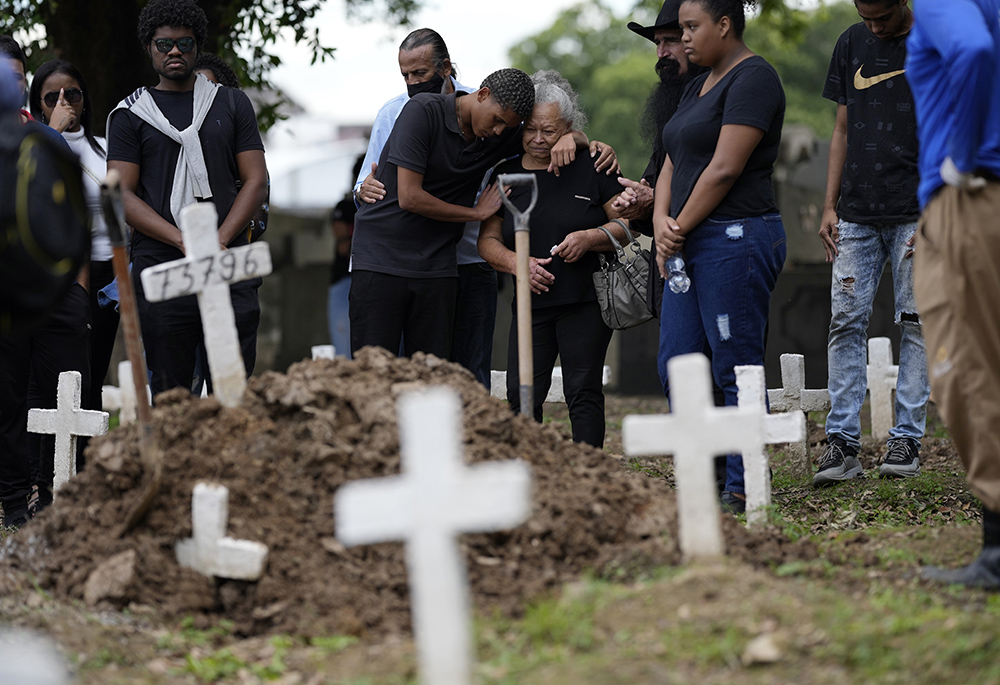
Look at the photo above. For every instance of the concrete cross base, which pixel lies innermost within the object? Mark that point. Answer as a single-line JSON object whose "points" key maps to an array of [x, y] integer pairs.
{"points": [[209, 551]]}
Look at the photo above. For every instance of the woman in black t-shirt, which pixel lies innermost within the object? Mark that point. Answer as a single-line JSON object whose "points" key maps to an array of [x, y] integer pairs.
{"points": [[566, 319], [714, 203]]}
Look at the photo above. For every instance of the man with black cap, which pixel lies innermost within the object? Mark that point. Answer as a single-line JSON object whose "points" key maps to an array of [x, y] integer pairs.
{"points": [[675, 72]]}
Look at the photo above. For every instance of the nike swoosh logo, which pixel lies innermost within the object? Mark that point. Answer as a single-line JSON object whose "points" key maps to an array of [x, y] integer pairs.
{"points": [[862, 83]]}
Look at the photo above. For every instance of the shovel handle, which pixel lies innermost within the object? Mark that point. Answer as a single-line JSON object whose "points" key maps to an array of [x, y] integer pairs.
{"points": [[522, 249]]}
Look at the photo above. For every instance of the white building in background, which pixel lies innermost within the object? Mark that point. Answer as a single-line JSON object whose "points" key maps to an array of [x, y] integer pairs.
{"points": [[311, 161]]}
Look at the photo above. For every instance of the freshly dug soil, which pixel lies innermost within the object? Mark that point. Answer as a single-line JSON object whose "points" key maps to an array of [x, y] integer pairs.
{"points": [[284, 452]]}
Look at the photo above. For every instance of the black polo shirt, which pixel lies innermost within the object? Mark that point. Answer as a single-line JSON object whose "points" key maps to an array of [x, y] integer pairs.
{"points": [[426, 139]]}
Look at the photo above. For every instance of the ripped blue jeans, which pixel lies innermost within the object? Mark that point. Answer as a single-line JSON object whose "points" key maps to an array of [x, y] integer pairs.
{"points": [[733, 265], [864, 250]]}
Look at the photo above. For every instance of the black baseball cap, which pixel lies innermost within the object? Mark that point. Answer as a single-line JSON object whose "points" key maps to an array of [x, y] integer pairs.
{"points": [[666, 19]]}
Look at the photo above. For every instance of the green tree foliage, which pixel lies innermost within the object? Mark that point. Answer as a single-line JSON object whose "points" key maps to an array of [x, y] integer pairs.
{"points": [[803, 64], [98, 36], [612, 68]]}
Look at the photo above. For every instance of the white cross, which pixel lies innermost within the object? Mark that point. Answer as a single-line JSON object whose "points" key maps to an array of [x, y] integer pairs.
{"points": [[209, 551], [208, 271], [66, 422], [694, 432], [793, 397], [882, 378], [122, 398], [127, 388], [498, 384], [433, 500], [29, 658], [777, 428], [323, 352]]}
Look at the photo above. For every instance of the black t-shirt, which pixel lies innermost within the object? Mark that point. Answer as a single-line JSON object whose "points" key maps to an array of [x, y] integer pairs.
{"points": [[573, 201], [880, 175], [750, 95], [229, 129], [426, 139]]}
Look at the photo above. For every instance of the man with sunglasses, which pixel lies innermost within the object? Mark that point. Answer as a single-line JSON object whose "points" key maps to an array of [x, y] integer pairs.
{"points": [[164, 167]]}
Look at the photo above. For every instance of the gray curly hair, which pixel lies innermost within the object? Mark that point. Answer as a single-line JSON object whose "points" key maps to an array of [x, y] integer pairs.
{"points": [[550, 86]]}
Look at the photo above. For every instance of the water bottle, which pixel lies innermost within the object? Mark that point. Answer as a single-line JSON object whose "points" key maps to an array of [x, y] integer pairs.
{"points": [[678, 280]]}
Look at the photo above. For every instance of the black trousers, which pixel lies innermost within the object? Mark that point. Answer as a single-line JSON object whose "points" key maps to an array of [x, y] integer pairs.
{"points": [[172, 329], [103, 329], [386, 310], [29, 378], [577, 335]]}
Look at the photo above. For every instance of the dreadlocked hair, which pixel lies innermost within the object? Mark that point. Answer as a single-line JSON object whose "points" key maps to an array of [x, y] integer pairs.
{"points": [[183, 13], [550, 86], [512, 89], [224, 74], [35, 95], [734, 9]]}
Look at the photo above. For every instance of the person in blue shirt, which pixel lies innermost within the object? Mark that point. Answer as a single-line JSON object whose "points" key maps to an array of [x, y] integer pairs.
{"points": [[953, 68]]}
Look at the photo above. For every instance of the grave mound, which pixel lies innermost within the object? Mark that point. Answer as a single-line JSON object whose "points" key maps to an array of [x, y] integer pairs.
{"points": [[284, 452]]}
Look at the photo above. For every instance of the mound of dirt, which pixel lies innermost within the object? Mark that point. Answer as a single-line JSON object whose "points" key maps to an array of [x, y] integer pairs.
{"points": [[283, 453]]}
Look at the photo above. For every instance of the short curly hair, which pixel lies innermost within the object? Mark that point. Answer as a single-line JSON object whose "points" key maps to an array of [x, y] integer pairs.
{"points": [[224, 73], [512, 89], [172, 13]]}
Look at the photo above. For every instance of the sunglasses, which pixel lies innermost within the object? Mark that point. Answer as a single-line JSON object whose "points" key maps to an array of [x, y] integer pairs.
{"points": [[71, 95], [165, 45]]}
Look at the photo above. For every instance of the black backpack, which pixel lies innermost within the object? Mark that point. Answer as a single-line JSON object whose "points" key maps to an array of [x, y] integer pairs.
{"points": [[44, 224]]}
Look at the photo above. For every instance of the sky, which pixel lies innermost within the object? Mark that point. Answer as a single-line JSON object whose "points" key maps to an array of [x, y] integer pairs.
{"points": [[364, 74]]}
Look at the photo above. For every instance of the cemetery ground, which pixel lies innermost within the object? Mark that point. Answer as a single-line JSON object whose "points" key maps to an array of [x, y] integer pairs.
{"points": [[587, 591]]}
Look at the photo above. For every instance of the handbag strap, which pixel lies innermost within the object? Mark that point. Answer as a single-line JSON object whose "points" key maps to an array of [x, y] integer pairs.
{"points": [[619, 250], [632, 238]]}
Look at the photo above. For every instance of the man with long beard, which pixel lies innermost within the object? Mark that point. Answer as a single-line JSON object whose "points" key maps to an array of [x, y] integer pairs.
{"points": [[675, 72]]}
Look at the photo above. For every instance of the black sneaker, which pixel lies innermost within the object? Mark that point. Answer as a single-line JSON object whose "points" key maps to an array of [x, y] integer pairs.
{"points": [[15, 512], [838, 463], [902, 459]]}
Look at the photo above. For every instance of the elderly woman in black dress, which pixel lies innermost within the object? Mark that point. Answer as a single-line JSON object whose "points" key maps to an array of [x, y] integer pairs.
{"points": [[566, 319]]}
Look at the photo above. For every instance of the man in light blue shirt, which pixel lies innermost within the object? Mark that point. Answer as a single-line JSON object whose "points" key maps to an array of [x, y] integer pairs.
{"points": [[953, 67], [426, 67]]}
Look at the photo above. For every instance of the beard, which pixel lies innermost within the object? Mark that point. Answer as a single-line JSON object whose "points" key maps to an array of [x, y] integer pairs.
{"points": [[663, 99]]}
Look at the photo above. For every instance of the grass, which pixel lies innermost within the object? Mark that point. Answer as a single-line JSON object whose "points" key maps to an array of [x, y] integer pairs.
{"points": [[686, 625], [856, 612]]}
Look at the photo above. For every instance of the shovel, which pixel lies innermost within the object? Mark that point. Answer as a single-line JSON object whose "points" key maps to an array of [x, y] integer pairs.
{"points": [[522, 246], [149, 448]]}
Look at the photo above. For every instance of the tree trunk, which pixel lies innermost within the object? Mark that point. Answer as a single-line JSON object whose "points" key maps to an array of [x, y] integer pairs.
{"points": [[99, 37]]}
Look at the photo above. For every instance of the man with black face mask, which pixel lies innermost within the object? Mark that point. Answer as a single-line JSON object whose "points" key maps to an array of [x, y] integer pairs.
{"points": [[426, 67]]}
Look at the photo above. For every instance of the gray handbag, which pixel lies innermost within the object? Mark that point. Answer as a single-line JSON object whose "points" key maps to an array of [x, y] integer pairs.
{"points": [[621, 283]]}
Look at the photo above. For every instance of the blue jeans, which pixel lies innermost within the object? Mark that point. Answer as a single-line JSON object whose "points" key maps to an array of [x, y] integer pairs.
{"points": [[472, 344], [733, 265], [338, 317], [864, 250]]}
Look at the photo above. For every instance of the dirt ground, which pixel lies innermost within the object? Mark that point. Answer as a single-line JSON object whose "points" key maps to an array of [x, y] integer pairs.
{"points": [[114, 602]]}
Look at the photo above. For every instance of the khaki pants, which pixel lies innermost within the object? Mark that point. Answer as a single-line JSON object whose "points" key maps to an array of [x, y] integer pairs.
{"points": [[957, 284]]}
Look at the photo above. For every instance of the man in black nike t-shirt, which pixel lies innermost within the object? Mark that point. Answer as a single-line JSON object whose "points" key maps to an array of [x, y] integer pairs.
{"points": [[869, 219]]}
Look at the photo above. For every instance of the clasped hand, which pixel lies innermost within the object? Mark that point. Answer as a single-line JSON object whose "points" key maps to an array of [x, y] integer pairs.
{"points": [[669, 240]]}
